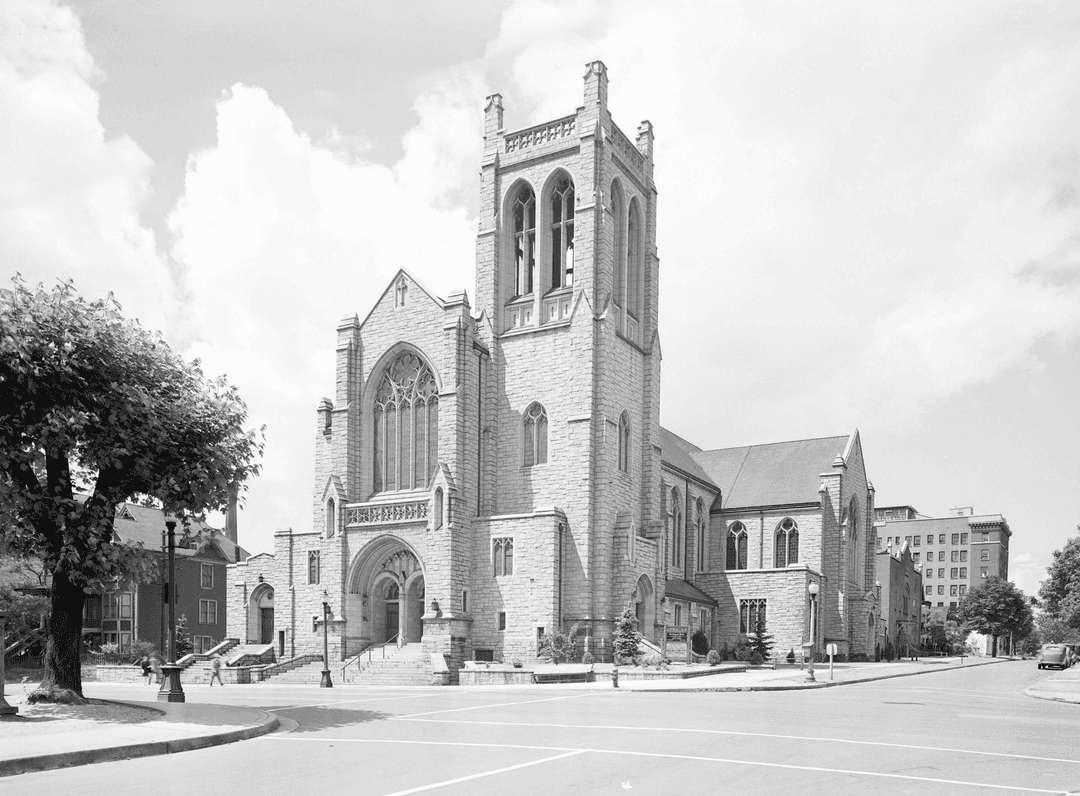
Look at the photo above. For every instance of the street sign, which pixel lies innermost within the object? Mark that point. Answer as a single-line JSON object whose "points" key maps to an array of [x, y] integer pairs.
{"points": [[830, 649]]}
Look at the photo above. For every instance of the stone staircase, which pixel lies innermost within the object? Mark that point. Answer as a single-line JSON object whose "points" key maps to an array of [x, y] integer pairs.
{"points": [[407, 665], [304, 670]]}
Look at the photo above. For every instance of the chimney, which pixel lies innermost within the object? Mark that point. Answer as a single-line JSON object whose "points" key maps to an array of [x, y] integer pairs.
{"points": [[230, 523]]}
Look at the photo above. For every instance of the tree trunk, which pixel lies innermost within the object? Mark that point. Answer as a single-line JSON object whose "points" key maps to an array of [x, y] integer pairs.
{"points": [[62, 681]]}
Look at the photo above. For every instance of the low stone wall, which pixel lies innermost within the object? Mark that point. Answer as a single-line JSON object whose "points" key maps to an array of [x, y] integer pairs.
{"points": [[194, 675], [498, 674]]}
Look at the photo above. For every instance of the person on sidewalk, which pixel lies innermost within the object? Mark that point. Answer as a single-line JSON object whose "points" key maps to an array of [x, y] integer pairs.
{"points": [[147, 667], [215, 671], [155, 665]]}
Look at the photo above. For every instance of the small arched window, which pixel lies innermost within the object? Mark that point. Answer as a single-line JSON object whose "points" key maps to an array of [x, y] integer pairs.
{"points": [[624, 443], [523, 212], [535, 428], [787, 543], [702, 558], [438, 507], [502, 555], [736, 546], [634, 252], [406, 425], [562, 232], [331, 518]]}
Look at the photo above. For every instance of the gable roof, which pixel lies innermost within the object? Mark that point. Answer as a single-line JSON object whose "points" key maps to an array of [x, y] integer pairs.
{"points": [[677, 453], [135, 524], [775, 474]]}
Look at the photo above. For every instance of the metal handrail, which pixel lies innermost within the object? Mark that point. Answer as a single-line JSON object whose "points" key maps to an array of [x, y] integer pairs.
{"points": [[396, 639]]}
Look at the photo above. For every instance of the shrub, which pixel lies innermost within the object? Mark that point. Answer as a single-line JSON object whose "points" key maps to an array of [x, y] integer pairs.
{"points": [[626, 635], [859, 657], [791, 655], [654, 662], [699, 642], [713, 658], [588, 658], [756, 659], [760, 642], [742, 651], [557, 647], [725, 652], [140, 648]]}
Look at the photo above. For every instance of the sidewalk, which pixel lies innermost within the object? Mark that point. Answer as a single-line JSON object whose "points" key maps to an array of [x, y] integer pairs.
{"points": [[1061, 686], [105, 731]]}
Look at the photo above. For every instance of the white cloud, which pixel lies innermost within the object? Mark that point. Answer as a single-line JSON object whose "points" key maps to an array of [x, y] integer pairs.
{"points": [[280, 236], [70, 197]]}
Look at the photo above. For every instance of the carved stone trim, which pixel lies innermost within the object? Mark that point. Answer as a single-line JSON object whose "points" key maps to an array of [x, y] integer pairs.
{"points": [[386, 513], [541, 134]]}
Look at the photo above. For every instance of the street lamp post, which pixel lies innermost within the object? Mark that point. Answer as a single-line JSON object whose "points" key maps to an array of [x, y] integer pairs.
{"points": [[326, 682], [813, 590], [171, 688]]}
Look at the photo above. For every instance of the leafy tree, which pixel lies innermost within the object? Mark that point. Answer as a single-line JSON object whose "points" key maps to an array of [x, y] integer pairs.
{"points": [[1060, 592], [760, 642], [998, 608], [96, 411], [699, 642], [627, 638], [558, 647], [183, 638], [1052, 630]]}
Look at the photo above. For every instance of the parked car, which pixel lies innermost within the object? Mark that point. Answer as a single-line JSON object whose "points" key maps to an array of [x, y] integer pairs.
{"points": [[1058, 655]]}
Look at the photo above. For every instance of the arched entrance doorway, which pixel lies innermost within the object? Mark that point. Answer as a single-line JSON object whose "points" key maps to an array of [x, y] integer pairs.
{"points": [[260, 615], [385, 602], [645, 608]]}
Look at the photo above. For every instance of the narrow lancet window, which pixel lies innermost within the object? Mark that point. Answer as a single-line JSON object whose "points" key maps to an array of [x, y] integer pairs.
{"points": [[524, 214], [562, 233]]}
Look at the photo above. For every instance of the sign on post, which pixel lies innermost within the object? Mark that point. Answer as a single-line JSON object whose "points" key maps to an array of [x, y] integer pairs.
{"points": [[677, 643], [831, 649]]}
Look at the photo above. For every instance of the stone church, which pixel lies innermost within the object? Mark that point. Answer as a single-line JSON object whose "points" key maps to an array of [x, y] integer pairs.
{"points": [[485, 474]]}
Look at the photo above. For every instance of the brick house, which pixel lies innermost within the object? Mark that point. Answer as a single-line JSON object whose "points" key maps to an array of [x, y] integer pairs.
{"points": [[487, 473], [900, 584]]}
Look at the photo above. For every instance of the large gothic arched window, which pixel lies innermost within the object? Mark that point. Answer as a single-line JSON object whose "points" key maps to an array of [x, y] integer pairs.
{"points": [[736, 546], [562, 233], [534, 426], [678, 530], [787, 543], [634, 253], [406, 425], [523, 212], [702, 559]]}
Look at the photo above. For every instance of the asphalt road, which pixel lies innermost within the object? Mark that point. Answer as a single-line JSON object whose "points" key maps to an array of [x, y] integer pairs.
{"points": [[968, 731]]}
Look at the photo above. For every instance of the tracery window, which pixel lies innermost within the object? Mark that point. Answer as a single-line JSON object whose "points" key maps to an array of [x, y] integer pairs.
{"points": [[406, 425], [502, 556], [701, 549], [752, 614], [678, 531], [736, 546], [624, 443], [634, 251], [787, 543], [562, 233], [523, 212], [535, 428], [618, 213]]}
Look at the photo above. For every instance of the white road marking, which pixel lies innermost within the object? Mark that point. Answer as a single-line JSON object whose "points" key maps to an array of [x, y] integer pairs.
{"points": [[495, 705], [434, 785], [741, 734], [355, 701], [568, 752]]}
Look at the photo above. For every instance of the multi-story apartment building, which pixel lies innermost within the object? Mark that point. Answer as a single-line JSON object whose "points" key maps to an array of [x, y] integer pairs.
{"points": [[957, 552]]}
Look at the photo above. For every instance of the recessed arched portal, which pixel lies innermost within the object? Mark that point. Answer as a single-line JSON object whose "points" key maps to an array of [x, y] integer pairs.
{"points": [[260, 615], [645, 608], [385, 599]]}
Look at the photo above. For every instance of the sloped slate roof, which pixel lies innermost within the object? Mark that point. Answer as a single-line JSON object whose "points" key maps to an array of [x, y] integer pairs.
{"points": [[779, 473], [135, 524], [681, 590], [678, 453]]}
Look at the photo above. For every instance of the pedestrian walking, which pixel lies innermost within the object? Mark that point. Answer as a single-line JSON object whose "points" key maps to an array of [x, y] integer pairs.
{"points": [[155, 665], [215, 671], [147, 667]]}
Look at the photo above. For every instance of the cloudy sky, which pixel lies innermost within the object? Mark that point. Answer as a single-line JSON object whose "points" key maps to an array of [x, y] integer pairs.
{"points": [[869, 213]]}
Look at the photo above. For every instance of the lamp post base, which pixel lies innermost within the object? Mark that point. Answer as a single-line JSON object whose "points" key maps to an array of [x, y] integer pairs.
{"points": [[326, 682], [6, 709], [171, 689]]}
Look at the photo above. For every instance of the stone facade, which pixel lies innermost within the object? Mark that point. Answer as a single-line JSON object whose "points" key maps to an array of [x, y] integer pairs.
{"points": [[488, 473]]}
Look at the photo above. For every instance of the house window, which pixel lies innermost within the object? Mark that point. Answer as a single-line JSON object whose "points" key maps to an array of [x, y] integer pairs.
{"points": [[917, 540], [118, 605], [562, 233], [331, 518], [701, 548], [908, 540], [941, 589], [915, 557], [941, 572], [941, 538], [963, 538], [502, 555], [207, 612], [963, 572], [523, 212], [736, 546], [986, 537], [203, 644], [953, 572], [206, 576], [953, 590], [984, 555], [963, 589], [406, 425], [751, 615], [787, 543], [929, 590], [963, 555], [929, 573], [624, 443], [502, 620], [955, 538], [983, 572], [929, 538], [535, 427], [313, 566]]}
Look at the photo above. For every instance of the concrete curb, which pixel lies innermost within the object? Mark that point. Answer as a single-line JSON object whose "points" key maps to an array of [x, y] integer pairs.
{"points": [[267, 723], [808, 686]]}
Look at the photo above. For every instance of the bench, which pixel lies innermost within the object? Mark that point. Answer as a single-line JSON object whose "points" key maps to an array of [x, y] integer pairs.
{"points": [[567, 675]]}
